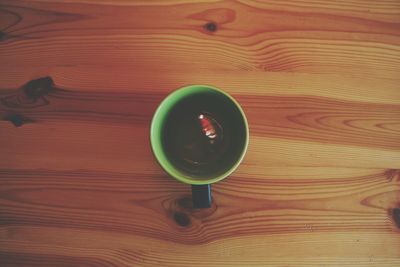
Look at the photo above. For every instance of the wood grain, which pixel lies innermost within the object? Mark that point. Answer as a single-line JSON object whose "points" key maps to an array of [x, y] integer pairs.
{"points": [[318, 80]]}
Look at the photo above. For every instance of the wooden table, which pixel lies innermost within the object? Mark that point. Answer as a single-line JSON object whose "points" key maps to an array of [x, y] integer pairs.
{"points": [[318, 80]]}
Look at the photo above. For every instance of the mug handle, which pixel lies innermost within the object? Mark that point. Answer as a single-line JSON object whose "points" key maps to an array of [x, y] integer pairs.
{"points": [[201, 196]]}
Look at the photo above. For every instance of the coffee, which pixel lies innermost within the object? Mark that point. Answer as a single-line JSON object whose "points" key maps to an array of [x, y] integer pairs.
{"points": [[201, 135]]}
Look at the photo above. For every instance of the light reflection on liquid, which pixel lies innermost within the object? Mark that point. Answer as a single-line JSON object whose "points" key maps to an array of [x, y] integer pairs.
{"points": [[210, 127]]}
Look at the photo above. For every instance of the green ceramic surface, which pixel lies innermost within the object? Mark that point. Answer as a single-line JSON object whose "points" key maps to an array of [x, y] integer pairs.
{"points": [[157, 126]]}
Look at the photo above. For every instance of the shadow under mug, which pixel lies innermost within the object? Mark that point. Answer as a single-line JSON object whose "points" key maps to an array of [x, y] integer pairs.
{"points": [[201, 184]]}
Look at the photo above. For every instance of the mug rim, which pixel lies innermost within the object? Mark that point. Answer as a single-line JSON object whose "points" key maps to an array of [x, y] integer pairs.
{"points": [[158, 150]]}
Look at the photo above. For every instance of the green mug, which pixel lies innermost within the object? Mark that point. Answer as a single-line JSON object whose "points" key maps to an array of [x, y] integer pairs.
{"points": [[211, 145]]}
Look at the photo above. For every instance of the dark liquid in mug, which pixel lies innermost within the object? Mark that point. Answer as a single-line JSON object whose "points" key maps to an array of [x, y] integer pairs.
{"points": [[203, 134]]}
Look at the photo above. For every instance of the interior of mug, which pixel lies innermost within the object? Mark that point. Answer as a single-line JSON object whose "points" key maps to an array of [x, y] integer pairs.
{"points": [[156, 133]]}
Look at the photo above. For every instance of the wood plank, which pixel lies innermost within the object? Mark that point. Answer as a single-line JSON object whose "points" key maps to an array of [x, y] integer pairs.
{"points": [[251, 38], [36, 247], [289, 130], [117, 80], [150, 205]]}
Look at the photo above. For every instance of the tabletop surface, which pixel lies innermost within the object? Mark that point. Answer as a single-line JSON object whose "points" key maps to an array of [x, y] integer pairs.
{"points": [[318, 80]]}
